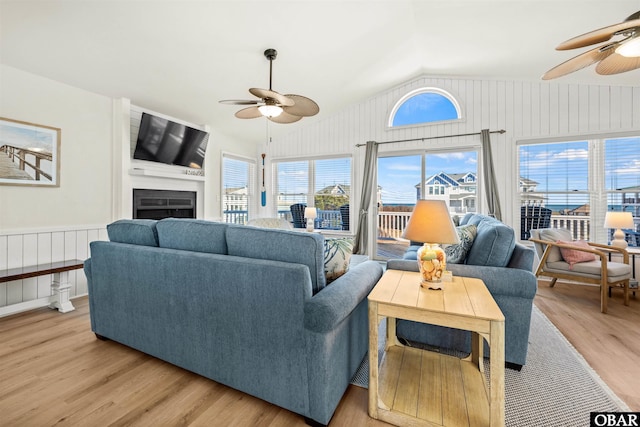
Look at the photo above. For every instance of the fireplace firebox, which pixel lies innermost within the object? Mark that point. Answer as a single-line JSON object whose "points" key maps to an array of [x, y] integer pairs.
{"points": [[159, 204]]}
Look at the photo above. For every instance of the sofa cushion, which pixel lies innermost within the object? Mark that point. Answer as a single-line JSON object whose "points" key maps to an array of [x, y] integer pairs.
{"points": [[574, 256], [553, 235], [280, 245], [337, 255], [494, 242], [457, 253], [134, 231], [192, 235]]}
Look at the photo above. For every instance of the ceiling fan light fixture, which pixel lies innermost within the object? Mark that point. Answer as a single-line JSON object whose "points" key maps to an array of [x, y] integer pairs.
{"points": [[270, 110], [630, 48]]}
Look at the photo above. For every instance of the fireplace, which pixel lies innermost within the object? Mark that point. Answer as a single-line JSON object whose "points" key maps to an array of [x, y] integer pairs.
{"points": [[159, 204]]}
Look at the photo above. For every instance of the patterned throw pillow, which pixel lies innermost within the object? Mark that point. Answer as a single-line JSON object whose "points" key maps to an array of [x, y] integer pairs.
{"points": [[574, 256], [337, 253], [457, 253]]}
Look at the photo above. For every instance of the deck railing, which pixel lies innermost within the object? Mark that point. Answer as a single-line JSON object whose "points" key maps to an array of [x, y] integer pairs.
{"points": [[20, 154], [391, 225]]}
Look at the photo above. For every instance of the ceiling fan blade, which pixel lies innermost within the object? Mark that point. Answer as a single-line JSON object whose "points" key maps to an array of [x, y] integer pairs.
{"points": [[240, 101], [616, 63], [579, 62], [600, 35], [285, 118], [303, 106], [265, 93], [248, 113]]}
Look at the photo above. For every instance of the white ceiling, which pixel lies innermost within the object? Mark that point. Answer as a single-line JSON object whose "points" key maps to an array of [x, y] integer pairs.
{"points": [[181, 57]]}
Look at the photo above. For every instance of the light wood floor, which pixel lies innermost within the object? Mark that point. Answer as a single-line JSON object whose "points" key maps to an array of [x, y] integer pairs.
{"points": [[610, 342], [54, 371]]}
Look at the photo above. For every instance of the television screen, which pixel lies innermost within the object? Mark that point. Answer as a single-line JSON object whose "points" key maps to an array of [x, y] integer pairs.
{"points": [[164, 141]]}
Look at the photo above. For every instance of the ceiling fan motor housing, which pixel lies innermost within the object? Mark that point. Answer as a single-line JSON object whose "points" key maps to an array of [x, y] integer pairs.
{"points": [[273, 105]]}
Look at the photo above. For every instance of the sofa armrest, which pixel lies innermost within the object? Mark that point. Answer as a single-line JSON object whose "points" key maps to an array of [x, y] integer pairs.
{"points": [[499, 280], [337, 300], [403, 264], [522, 257]]}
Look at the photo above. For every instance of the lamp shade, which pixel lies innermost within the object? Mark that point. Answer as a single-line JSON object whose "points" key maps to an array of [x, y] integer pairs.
{"points": [[310, 213], [430, 222], [618, 220]]}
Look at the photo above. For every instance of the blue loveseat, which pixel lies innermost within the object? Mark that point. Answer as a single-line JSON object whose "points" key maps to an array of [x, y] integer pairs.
{"points": [[505, 266], [244, 306]]}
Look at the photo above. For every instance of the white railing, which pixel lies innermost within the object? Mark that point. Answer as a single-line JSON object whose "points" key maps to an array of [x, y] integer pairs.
{"points": [[580, 226], [391, 225]]}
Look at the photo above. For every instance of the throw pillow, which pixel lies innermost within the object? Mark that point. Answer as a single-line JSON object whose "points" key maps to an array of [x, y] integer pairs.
{"points": [[574, 256], [337, 254], [457, 253]]}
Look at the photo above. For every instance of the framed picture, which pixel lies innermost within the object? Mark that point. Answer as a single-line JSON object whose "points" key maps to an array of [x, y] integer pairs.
{"points": [[29, 154]]}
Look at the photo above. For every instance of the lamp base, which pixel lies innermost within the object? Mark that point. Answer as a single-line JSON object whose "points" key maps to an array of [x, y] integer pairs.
{"points": [[618, 239], [310, 224], [432, 262]]}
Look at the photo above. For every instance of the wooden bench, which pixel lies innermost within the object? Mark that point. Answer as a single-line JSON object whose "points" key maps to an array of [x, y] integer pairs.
{"points": [[60, 285]]}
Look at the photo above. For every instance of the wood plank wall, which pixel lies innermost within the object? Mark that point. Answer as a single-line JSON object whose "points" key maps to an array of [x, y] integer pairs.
{"points": [[20, 249], [526, 110]]}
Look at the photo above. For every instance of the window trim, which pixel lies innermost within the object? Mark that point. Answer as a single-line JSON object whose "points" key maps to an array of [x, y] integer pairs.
{"points": [[596, 143], [253, 183], [419, 91], [311, 183]]}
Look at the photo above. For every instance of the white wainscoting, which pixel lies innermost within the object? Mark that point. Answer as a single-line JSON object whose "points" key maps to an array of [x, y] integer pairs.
{"points": [[22, 248]]}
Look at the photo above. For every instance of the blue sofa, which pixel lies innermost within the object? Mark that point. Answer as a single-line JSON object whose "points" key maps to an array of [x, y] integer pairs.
{"points": [[244, 306], [505, 266]]}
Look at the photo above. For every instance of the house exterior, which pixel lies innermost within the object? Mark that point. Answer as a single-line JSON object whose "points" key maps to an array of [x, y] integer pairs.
{"points": [[459, 190]]}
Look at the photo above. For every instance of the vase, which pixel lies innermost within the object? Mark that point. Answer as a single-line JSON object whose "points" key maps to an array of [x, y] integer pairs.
{"points": [[432, 263]]}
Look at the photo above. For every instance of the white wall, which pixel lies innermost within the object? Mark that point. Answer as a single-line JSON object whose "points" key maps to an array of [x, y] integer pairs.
{"points": [[45, 224], [84, 195], [526, 110]]}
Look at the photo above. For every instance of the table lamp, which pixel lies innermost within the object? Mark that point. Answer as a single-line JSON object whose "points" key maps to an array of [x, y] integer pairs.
{"points": [[618, 220], [431, 223], [310, 214]]}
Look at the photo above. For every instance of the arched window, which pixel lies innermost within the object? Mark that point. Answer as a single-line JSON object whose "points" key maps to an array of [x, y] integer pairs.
{"points": [[424, 105]]}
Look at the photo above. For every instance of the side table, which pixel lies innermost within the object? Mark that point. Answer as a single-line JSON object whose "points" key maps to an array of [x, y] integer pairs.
{"points": [[417, 387]]}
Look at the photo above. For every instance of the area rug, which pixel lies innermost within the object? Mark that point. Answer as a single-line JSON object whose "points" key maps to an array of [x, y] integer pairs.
{"points": [[555, 388]]}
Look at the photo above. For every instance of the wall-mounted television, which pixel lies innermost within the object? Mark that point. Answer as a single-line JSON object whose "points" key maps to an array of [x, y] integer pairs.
{"points": [[161, 140]]}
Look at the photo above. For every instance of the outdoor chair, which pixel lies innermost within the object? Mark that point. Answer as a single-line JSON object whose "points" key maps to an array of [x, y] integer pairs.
{"points": [[344, 215], [297, 215], [533, 217], [563, 258]]}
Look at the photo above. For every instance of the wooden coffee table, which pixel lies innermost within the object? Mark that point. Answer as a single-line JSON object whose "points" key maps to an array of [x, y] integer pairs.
{"points": [[417, 387]]}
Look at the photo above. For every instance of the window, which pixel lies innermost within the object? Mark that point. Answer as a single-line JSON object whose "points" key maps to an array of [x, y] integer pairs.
{"points": [[402, 180], [581, 180], [238, 177], [426, 105], [323, 183]]}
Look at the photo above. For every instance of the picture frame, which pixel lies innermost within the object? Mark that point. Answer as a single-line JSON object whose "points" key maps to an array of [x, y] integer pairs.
{"points": [[29, 154]]}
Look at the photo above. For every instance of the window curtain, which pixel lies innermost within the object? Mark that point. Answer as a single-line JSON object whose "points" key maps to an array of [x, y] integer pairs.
{"points": [[490, 185], [362, 233]]}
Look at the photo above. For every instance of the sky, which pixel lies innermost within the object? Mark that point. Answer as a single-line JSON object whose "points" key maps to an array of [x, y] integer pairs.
{"points": [[565, 167], [398, 176], [25, 136]]}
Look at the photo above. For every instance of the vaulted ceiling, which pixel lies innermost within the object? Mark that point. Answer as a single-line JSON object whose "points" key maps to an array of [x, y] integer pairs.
{"points": [[181, 57]]}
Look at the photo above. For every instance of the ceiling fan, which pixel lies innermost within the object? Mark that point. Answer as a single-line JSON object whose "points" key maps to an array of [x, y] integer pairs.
{"points": [[612, 57], [272, 105]]}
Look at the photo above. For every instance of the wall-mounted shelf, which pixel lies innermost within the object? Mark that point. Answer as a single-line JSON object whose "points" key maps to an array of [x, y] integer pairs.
{"points": [[161, 174]]}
